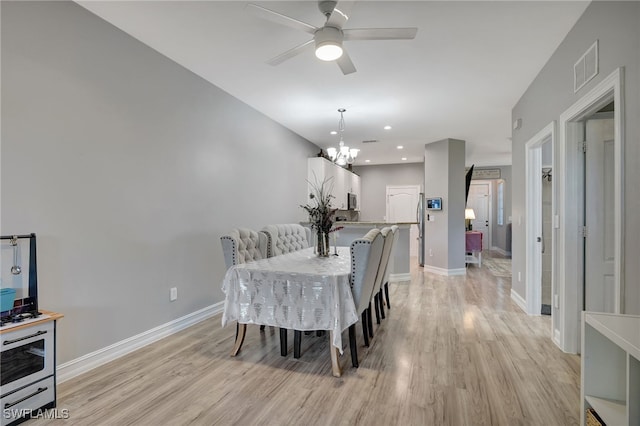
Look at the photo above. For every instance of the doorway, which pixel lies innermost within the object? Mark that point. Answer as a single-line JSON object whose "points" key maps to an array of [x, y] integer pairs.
{"points": [[571, 245], [480, 201], [402, 204], [540, 208]]}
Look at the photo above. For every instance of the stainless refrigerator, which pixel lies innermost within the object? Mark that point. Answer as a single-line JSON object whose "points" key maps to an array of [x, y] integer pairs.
{"points": [[420, 220]]}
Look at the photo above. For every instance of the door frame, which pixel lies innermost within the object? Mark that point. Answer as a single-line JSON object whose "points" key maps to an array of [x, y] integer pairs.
{"points": [[570, 261], [533, 218]]}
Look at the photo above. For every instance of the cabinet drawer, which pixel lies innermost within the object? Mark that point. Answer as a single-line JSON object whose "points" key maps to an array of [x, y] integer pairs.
{"points": [[26, 401]]}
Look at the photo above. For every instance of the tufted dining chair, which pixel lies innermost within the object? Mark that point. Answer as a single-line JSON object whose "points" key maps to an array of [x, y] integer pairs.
{"points": [[365, 258], [242, 245], [286, 238], [387, 272], [382, 267]]}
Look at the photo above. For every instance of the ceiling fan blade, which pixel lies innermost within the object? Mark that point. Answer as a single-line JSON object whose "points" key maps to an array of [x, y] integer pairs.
{"points": [[380, 34], [278, 18], [340, 14], [345, 64], [290, 53]]}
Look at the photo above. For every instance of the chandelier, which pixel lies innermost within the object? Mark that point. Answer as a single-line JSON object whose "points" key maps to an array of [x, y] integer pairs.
{"points": [[342, 155]]}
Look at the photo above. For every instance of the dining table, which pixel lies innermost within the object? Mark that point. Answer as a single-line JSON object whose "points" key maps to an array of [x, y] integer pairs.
{"points": [[294, 291]]}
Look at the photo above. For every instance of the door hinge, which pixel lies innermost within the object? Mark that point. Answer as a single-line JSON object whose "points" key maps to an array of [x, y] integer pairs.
{"points": [[584, 232], [584, 146]]}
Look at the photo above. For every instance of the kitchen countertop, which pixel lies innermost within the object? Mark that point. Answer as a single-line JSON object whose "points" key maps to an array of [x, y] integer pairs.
{"points": [[365, 223]]}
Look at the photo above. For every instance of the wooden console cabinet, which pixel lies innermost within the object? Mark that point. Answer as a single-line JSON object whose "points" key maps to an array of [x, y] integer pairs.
{"points": [[28, 371], [611, 368]]}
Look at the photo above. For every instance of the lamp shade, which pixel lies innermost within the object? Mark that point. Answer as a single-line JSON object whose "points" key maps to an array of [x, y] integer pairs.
{"points": [[469, 214], [328, 43]]}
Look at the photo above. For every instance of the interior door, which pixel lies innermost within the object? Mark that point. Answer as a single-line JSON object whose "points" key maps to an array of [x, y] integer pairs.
{"points": [[401, 207], [479, 198], [599, 216]]}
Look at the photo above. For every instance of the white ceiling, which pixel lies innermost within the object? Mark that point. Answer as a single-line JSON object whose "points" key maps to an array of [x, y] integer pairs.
{"points": [[459, 78]]}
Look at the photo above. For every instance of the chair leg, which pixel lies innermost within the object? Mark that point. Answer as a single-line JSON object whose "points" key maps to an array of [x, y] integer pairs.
{"points": [[297, 339], [262, 327], [379, 295], [364, 328], [370, 320], [283, 341], [376, 301], [241, 330], [386, 294], [353, 345]]}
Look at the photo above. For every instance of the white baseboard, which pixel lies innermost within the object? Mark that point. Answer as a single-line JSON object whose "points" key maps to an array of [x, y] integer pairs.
{"points": [[556, 338], [501, 251], [518, 300], [447, 272], [394, 278], [87, 362]]}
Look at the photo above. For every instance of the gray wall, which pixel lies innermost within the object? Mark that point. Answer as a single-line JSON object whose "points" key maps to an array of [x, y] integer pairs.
{"points": [[128, 168], [616, 26], [374, 181], [444, 176]]}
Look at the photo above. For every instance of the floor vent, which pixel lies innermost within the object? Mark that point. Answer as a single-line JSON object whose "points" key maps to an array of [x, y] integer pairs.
{"points": [[586, 68]]}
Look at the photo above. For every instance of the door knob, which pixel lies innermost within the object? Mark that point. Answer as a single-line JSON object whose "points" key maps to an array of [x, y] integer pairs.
{"points": [[539, 239]]}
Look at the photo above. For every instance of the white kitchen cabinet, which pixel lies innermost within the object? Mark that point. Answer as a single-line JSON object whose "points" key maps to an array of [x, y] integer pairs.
{"points": [[342, 181], [611, 367]]}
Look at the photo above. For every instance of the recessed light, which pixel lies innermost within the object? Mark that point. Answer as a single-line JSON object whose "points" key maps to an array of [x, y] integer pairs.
{"points": [[387, 127], [400, 147], [367, 161], [404, 158], [333, 132]]}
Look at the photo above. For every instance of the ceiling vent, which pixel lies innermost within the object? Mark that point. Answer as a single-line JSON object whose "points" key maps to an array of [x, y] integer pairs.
{"points": [[370, 141], [586, 68]]}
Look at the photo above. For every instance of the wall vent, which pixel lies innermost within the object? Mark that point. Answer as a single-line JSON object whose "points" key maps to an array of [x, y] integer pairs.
{"points": [[586, 68], [370, 141]]}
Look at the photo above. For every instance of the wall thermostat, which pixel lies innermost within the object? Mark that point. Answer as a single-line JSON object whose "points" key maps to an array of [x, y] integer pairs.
{"points": [[434, 203]]}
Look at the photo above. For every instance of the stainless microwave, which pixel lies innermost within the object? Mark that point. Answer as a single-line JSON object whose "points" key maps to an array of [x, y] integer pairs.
{"points": [[352, 201]]}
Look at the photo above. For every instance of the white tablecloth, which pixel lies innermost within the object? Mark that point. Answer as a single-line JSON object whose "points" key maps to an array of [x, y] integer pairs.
{"points": [[298, 291]]}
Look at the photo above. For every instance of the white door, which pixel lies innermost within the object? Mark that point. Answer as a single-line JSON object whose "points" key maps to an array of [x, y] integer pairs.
{"points": [[402, 202], [479, 198], [599, 216]]}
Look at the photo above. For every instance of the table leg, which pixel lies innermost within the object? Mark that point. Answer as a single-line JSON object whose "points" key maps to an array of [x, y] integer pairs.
{"points": [[335, 361], [479, 259], [241, 331]]}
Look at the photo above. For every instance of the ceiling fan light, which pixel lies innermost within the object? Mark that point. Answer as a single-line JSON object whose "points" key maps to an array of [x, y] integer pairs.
{"points": [[328, 51], [344, 150]]}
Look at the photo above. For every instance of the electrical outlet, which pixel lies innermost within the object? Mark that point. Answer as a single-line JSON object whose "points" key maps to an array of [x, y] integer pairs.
{"points": [[556, 301], [430, 252], [519, 276], [173, 294]]}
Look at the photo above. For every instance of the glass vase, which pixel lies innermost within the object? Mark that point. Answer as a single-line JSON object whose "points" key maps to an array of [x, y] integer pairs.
{"points": [[322, 243]]}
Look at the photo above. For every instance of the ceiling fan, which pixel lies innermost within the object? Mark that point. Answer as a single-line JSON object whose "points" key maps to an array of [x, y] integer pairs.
{"points": [[328, 38]]}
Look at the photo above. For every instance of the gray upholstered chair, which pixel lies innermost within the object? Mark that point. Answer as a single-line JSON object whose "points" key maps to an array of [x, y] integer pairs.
{"points": [[387, 272], [365, 258], [286, 238], [382, 267], [242, 245]]}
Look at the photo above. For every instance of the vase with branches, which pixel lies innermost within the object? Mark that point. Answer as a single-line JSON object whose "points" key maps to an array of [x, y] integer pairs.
{"points": [[321, 213]]}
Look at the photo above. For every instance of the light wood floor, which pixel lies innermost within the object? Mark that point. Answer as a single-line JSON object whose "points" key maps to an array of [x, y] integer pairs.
{"points": [[452, 351]]}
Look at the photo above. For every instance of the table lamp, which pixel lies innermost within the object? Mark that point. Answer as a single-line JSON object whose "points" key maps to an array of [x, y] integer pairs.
{"points": [[469, 215]]}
